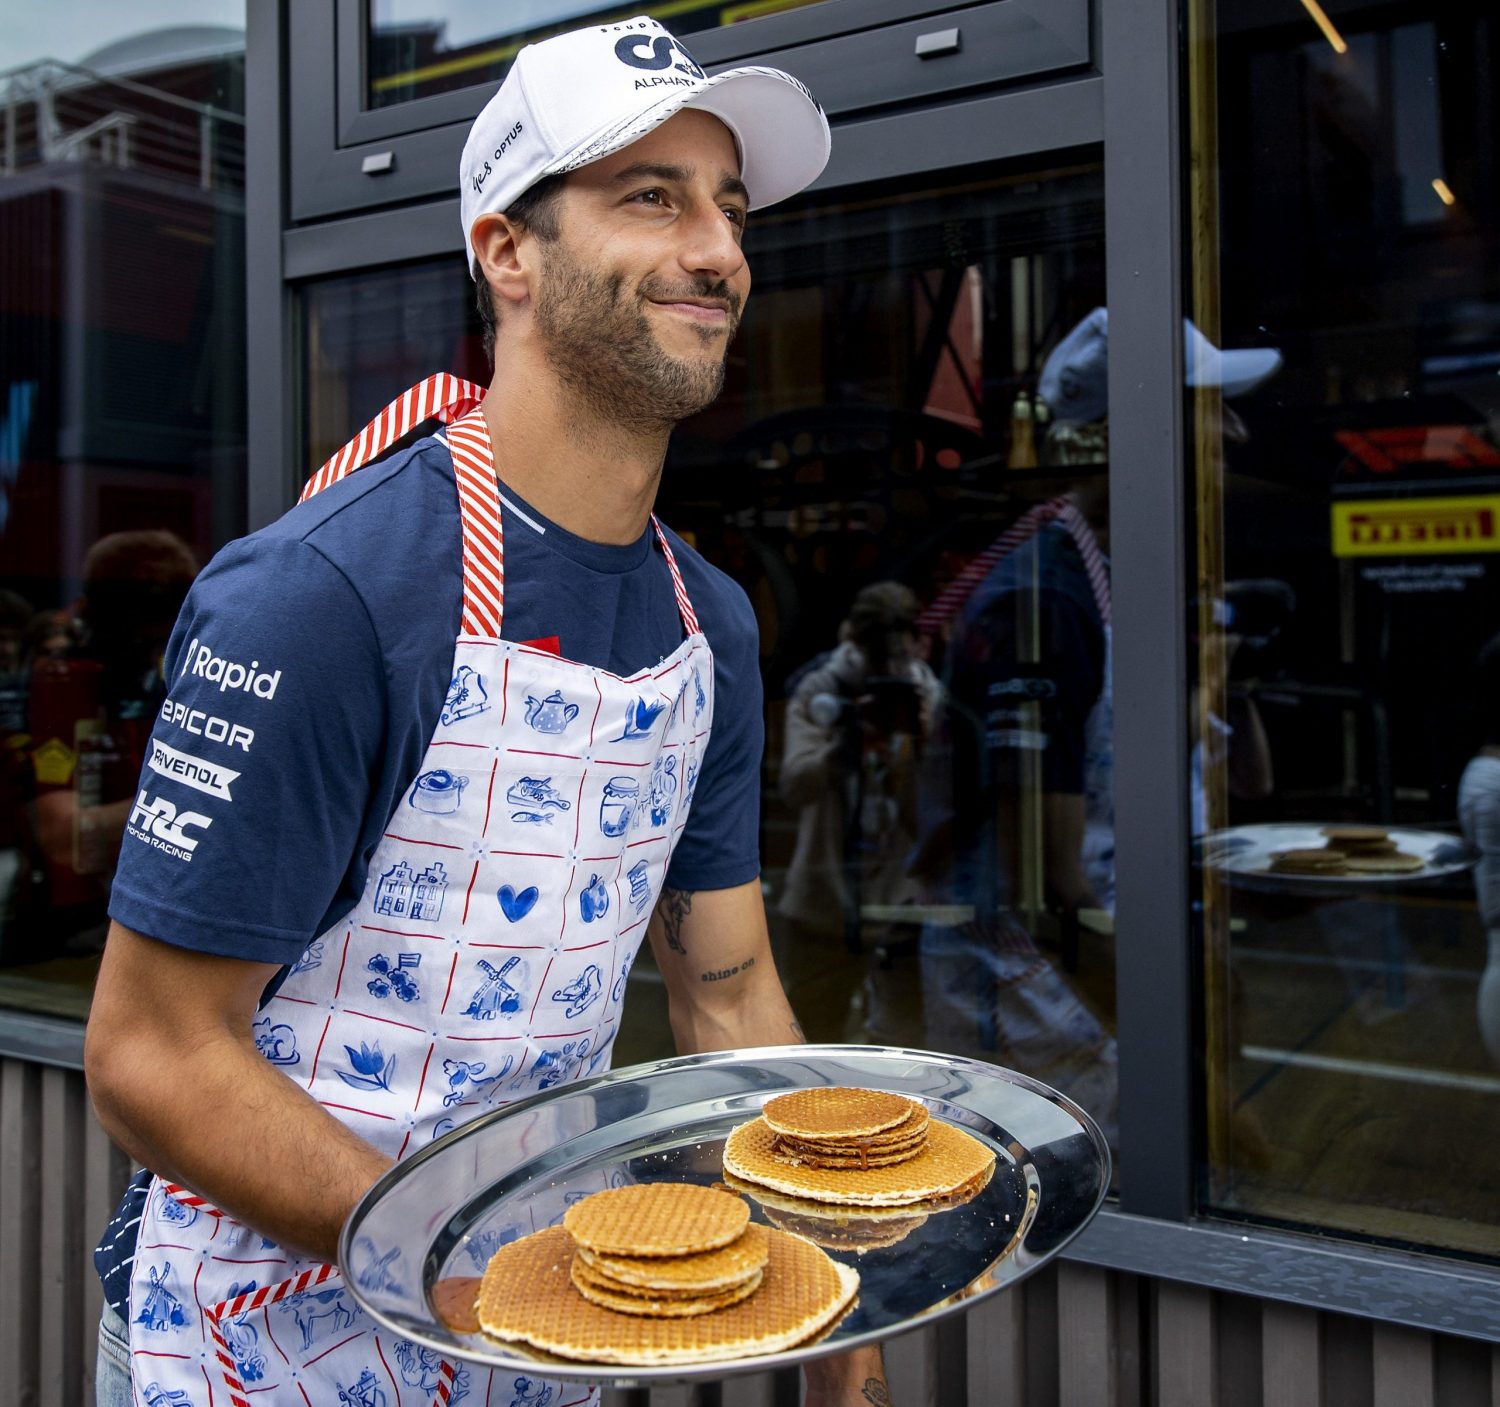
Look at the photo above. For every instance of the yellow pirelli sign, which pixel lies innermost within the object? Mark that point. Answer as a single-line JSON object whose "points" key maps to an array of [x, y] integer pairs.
{"points": [[1416, 527]]}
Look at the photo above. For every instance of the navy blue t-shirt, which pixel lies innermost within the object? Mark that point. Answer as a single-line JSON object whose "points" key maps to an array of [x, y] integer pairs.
{"points": [[306, 674]]}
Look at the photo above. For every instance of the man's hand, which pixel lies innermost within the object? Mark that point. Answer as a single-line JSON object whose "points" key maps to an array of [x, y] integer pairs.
{"points": [[853, 1380], [178, 1083]]}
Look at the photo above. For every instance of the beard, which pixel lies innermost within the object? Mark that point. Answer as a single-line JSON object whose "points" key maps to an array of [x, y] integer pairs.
{"points": [[597, 337]]}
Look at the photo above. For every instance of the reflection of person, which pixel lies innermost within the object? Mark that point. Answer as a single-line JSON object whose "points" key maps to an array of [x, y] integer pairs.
{"points": [[90, 710], [1030, 719], [490, 722], [856, 733], [855, 726], [1027, 722], [1479, 815]]}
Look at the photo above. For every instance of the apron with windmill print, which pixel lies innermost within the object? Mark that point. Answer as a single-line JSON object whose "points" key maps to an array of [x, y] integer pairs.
{"points": [[486, 960]]}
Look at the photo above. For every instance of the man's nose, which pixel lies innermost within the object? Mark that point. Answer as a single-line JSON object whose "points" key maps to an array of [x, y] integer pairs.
{"points": [[711, 244]]}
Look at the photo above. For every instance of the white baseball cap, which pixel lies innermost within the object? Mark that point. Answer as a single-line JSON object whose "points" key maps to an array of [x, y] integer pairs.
{"points": [[1074, 380], [580, 96]]}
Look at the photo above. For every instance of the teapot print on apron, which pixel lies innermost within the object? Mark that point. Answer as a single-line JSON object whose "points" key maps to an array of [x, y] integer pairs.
{"points": [[552, 714]]}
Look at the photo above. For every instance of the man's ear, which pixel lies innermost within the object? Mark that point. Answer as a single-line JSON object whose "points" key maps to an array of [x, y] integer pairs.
{"points": [[505, 255]]}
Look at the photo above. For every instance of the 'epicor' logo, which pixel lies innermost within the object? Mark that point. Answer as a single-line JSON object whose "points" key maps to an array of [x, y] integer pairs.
{"points": [[216, 730], [201, 660], [660, 52], [158, 822]]}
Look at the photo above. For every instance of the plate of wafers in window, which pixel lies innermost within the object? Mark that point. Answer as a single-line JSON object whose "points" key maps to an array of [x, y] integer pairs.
{"points": [[726, 1213], [1337, 853]]}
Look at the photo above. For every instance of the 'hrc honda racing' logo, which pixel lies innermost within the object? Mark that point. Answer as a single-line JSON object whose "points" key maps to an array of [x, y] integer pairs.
{"points": [[161, 824]]}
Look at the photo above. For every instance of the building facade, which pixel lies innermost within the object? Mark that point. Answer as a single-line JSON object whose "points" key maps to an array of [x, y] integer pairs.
{"points": [[1110, 453]]}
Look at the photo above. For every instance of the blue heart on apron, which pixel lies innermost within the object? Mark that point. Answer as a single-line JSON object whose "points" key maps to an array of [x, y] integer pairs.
{"points": [[516, 906]]}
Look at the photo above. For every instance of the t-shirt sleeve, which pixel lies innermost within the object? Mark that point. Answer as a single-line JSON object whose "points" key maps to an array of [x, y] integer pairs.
{"points": [[257, 776], [720, 848]]}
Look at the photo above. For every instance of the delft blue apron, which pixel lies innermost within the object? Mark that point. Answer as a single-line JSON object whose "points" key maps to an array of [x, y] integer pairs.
{"points": [[486, 960]]}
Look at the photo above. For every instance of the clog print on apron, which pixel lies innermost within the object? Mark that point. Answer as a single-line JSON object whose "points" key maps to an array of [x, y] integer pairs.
{"points": [[486, 960]]}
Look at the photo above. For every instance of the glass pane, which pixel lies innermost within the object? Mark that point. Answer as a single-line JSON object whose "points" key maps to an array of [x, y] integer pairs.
{"points": [[416, 48], [1347, 715], [923, 548], [122, 430]]}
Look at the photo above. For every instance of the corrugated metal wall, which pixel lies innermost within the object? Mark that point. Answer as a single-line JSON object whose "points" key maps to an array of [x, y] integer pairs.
{"points": [[1072, 1336], [60, 1178]]}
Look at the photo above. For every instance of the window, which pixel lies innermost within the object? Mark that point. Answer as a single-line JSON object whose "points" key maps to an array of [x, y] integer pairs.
{"points": [[1346, 715], [415, 48], [122, 424]]}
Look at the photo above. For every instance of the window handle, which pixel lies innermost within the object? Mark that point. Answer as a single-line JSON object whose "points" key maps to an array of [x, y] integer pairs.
{"points": [[377, 163], [939, 42]]}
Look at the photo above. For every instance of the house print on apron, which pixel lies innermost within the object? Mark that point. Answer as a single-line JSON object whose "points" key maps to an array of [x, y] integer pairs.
{"points": [[485, 961]]}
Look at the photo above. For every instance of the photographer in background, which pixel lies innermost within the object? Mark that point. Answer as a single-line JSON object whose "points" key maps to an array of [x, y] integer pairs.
{"points": [[856, 725]]}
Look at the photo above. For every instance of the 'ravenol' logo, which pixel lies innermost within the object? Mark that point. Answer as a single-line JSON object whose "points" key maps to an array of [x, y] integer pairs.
{"points": [[201, 660], [159, 823]]}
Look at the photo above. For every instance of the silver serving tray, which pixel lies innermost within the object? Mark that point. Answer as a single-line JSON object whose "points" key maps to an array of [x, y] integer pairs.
{"points": [[443, 1212]]}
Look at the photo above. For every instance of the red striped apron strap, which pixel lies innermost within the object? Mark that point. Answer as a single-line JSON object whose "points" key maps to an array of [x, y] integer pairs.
{"points": [[442, 397], [1093, 556], [684, 606], [483, 535]]}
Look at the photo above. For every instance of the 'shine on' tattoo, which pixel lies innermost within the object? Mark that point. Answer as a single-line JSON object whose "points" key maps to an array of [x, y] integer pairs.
{"points": [[875, 1391], [719, 974], [676, 905]]}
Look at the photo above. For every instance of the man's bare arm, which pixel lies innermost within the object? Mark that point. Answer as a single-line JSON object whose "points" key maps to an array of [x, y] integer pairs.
{"points": [[714, 951], [178, 1083]]}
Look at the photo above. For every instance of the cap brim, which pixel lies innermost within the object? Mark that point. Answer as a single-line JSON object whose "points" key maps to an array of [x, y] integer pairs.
{"points": [[1245, 368], [781, 131]]}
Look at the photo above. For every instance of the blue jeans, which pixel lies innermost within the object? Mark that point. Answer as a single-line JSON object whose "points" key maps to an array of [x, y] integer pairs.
{"points": [[112, 1376]]}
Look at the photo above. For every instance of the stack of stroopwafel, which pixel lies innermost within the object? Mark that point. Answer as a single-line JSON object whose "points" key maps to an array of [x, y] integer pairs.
{"points": [[1348, 849], [855, 1146], [665, 1248], [662, 1273]]}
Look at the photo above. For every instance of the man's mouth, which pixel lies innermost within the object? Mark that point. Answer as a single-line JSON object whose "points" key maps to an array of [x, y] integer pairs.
{"points": [[713, 312]]}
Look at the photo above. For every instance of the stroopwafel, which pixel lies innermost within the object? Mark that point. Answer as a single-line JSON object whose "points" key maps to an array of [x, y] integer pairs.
{"points": [[1397, 862], [630, 1299], [949, 1160], [657, 1219], [837, 1113], [702, 1273], [527, 1295]]}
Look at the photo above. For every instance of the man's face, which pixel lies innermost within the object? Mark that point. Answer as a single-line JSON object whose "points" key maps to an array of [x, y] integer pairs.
{"points": [[642, 291]]}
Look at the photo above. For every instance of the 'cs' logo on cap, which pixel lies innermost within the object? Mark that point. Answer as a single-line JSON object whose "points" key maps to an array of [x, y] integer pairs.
{"points": [[628, 51]]}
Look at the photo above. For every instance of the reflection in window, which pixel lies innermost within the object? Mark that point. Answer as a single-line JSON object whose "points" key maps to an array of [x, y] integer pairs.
{"points": [[420, 47], [925, 548], [1347, 589], [121, 450]]}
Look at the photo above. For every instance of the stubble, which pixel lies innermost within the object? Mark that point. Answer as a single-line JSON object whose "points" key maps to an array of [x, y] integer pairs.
{"points": [[597, 337]]}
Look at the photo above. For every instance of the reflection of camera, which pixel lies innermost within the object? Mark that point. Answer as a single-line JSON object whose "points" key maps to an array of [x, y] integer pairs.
{"points": [[891, 705]]}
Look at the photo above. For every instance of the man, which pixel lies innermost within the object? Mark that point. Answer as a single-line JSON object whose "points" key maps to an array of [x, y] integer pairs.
{"points": [[402, 828]]}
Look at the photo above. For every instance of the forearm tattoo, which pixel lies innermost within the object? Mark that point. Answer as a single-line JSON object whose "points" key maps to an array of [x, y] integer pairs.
{"points": [[718, 974], [676, 905], [875, 1391]]}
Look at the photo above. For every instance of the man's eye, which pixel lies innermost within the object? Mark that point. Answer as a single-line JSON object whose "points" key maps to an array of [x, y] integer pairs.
{"points": [[654, 196], [735, 215]]}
